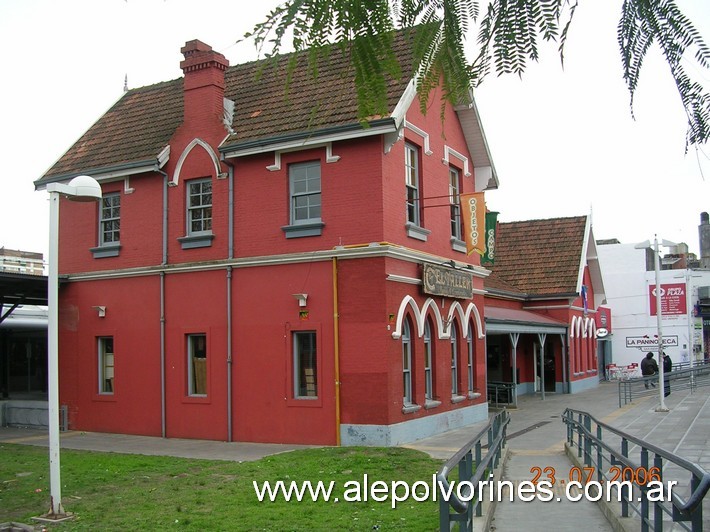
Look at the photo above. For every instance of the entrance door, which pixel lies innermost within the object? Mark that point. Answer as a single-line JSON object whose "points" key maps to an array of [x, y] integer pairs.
{"points": [[550, 367]]}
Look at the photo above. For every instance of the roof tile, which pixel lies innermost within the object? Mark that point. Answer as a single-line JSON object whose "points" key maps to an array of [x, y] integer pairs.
{"points": [[540, 257]]}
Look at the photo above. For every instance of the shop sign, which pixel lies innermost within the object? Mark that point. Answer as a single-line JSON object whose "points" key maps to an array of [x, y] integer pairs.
{"points": [[650, 343], [673, 302], [441, 281]]}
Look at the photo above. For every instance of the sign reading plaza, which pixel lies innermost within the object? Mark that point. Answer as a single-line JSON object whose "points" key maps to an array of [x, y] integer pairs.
{"points": [[673, 302], [650, 343]]}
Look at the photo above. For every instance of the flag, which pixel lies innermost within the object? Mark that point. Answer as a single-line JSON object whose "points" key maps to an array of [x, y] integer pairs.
{"points": [[473, 210], [491, 226]]}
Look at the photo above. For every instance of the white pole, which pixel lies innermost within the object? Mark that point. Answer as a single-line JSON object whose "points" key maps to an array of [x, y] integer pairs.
{"points": [[659, 318], [688, 292], [56, 510]]}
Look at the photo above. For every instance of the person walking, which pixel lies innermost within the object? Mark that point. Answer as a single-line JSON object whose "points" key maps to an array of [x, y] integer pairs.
{"points": [[649, 367], [667, 368]]}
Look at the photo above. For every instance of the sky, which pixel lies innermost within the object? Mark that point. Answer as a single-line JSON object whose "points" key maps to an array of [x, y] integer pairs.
{"points": [[563, 141]]}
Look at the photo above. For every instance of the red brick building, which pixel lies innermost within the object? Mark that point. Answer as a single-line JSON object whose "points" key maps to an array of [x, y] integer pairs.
{"points": [[254, 269], [542, 307]]}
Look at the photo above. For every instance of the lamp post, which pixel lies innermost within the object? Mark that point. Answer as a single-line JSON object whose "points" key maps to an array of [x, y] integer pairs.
{"points": [[81, 188], [659, 318]]}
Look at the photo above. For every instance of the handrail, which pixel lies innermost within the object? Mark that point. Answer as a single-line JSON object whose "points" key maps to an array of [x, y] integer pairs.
{"points": [[509, 389], [683, 510], [688, 378], [495, 432]]}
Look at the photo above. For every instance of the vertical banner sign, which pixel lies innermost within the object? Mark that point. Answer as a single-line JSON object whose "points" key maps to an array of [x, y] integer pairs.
{"points": [[673, 302], [473, 210], [491, 226]]}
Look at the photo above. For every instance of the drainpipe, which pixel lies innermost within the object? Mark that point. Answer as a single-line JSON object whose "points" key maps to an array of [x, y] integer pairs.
{"points": [[336, 350], [229, 353], [162, 353], [162, 304], [230, 244]]}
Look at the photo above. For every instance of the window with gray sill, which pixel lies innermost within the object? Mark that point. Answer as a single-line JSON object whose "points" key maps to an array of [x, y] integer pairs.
{"points": [[304, 200], [109, 227]]}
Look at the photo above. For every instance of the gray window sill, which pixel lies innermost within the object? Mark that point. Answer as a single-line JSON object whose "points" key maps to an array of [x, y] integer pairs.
{"points": [[196, 241], [457, 398], [301, 230], [431, 403], [410, 408], [417, 232], [458, 245], [106, 250], [473, 395]]}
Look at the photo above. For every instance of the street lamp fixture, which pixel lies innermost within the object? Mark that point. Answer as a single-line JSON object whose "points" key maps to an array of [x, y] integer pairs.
{"points": [[81, 188], [659, 318]]}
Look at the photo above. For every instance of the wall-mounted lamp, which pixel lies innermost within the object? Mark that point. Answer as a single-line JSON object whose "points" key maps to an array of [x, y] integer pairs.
{"points": [[301, 298], [101, 310]]}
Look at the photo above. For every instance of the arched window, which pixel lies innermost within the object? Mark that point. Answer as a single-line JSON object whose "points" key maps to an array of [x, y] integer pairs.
{"points": [[469, 346], [454, 360], [407, 362], [428, 363]]}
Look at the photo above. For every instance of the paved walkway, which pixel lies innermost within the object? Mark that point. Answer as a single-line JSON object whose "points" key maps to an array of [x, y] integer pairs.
{"points": [[536, 437]]}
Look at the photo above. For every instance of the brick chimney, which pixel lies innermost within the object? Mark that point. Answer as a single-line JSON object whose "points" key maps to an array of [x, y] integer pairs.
{"points": [[203, 86]]}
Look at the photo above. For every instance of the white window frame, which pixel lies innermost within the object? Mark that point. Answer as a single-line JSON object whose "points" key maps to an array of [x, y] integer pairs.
{"points": [[407, 396], [201, 208], [301, 389], [454, 361], [110, 219], [469, 345], [428, 363], [412, 180], [455, 201], [193, 350], [312, 196], [107, 364]]}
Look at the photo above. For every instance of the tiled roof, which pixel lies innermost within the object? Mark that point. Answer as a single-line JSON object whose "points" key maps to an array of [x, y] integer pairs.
{"points": [[136, 128], [266, 107], [540, 257], [142, 122]]}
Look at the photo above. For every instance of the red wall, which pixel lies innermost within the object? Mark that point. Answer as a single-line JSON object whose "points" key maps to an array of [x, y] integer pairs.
{"points": [[363, 201], [132, 318]]}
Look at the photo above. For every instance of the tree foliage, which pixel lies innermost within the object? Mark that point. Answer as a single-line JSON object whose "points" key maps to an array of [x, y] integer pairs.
{"points": [[510, 33]]}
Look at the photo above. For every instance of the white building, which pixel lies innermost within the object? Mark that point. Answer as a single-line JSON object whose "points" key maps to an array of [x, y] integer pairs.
{"points": [[24, 262], [630, 282]]}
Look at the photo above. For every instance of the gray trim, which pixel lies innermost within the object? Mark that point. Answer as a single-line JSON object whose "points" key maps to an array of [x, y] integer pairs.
{"points": [[106, 250], [249, 147], [96, 172], [458, 245], [506, 327], [301, 230], [196, 241], [417, 232], [411, 430]]}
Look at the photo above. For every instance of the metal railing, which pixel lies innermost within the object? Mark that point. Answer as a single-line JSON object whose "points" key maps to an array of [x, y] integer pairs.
{"points": [[610, 463], [502, 393], [679, 379], [472, 468]]}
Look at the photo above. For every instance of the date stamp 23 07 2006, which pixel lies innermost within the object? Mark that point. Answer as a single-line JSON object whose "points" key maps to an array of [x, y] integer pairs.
{"points": [[547, 484]]}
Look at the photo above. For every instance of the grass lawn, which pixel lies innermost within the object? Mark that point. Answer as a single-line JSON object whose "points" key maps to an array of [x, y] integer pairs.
{"points": [[109, 491]]}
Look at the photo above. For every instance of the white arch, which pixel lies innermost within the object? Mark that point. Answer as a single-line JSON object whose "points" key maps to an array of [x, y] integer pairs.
{"points": [[195, 142], [443, 327], [465, 318], [419, 316], [575, 327]]}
